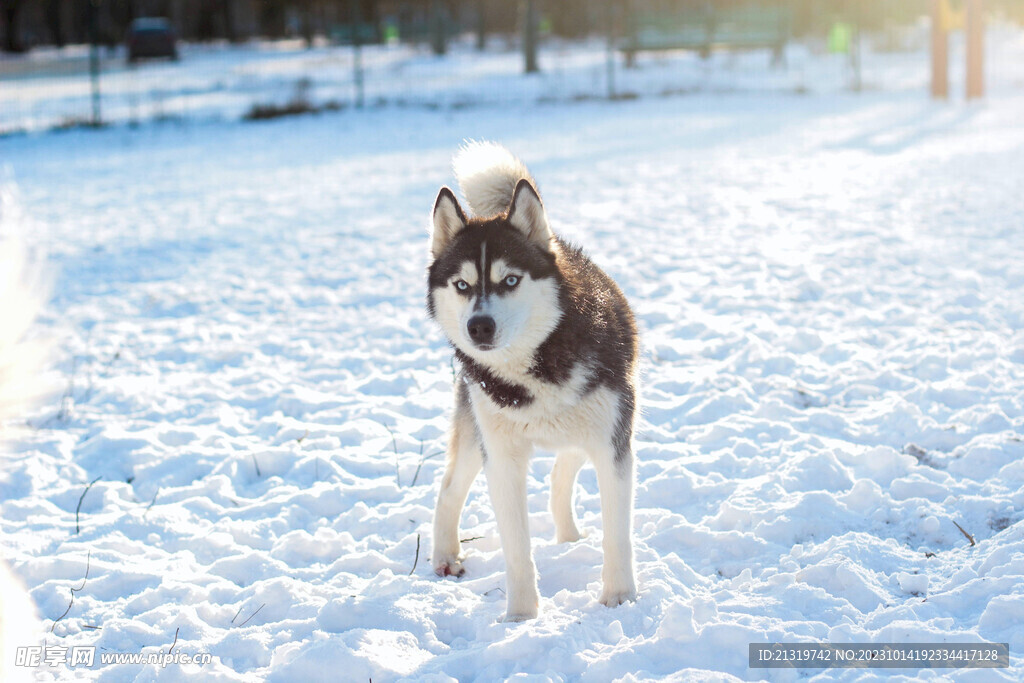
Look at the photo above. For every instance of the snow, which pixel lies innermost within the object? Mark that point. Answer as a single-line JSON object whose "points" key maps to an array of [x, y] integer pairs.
{"points": [[829, 288]]}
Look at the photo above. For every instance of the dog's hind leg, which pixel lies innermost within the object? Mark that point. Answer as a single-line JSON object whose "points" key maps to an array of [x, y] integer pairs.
{"points": [[465, 458], [615, 475], [506, 470], [563, 494]]}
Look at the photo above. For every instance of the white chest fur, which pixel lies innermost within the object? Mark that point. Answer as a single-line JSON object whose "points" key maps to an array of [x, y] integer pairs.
{"points": [[559, 415]]}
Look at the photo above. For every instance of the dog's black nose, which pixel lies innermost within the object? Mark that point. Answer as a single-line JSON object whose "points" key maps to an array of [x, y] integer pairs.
{"points": [[481, 329]]}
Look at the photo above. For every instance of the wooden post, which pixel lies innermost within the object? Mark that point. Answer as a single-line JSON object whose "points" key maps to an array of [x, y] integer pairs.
{"points": [[975, 48], [481, 25], [609, 16], [94, 61], [438, 28], [940, 52], [530, 31], [356, 17], [855, 16]]}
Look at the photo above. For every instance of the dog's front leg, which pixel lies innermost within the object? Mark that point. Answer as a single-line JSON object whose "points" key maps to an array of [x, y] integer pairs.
{"points": [[464, 462], [505, 466], [615, 475]]}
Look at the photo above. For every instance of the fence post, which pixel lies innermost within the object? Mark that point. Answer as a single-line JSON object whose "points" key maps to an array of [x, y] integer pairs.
{"points": [[940, 52], [609, 10], [530, 37], [357, 52], [855, 54], [94, 62], [438, 28], [975, 48], [481, 25]]}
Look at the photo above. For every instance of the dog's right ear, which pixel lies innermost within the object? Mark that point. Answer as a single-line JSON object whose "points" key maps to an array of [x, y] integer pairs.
{"points": [[448, 221]]}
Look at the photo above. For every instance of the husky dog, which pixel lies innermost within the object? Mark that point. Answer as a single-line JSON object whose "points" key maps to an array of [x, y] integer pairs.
{"points": [[547, 349]]}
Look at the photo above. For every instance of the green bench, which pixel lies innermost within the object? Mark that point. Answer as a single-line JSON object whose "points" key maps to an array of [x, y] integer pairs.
{"points": [[350, 34], [705, 26]]}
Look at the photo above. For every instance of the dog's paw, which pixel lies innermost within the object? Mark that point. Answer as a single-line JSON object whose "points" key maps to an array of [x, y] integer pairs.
{"points": [[449, 566], [522, 605], [517, 618], [614, 598], [570, 536]]}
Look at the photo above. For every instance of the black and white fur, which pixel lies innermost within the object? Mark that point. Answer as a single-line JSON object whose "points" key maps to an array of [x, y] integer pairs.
{"points": [[547, 350]]}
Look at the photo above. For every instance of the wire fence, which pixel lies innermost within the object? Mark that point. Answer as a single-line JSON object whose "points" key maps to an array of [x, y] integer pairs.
{"points": [[51, 88]]}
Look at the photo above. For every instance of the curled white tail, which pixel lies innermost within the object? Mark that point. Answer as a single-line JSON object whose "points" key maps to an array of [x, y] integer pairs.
{"points": [[487, 175]]}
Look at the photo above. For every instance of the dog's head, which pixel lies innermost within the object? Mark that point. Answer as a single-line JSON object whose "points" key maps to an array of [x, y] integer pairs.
{"points": [[493, 282]]}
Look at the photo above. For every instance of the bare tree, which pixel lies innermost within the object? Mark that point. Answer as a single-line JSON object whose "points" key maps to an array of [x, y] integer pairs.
{"points": [[11, 12], [228, 16], [52, 9]]}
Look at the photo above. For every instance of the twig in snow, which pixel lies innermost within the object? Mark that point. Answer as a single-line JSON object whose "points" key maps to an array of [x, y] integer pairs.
{"points": [[88, 563], [79, 508], [252, 615], [66, 399], [65, 410], [394, 445], [969, 537], [236, 614], [256, 465], [175, 641], [472, 538], [417, 560], [416, 475], [151, 502]]}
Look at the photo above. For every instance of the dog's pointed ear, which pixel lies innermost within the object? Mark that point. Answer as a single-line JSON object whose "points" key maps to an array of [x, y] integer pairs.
{"points": [[527, 215], [448, 221]]}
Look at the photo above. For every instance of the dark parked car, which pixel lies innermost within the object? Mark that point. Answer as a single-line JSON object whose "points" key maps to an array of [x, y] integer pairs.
{"points": [[151, 37]]}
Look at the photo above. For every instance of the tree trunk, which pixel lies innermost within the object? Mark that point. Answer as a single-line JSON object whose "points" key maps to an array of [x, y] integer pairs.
{"points": [[228, 15], [12, 42], [940, 54], [975, 49], [306, 8], [52, 9]]}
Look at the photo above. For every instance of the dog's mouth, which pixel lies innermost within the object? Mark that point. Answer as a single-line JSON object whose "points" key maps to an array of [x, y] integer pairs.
{"points": [[485, 347]]}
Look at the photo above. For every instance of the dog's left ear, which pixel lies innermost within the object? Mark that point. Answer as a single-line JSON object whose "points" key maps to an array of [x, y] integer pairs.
{"points": [[526, 214], [448, 221]]}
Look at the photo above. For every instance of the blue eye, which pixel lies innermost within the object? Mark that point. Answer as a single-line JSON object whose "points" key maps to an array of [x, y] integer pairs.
{"points": [[511, 281], [461, 285]]}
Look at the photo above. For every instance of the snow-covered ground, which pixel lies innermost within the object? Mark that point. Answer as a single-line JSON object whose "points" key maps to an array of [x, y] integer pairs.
{"points": [[240, 452]]}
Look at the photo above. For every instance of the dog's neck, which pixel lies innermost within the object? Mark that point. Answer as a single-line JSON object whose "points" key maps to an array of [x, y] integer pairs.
{"points": [[505, 393]]}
